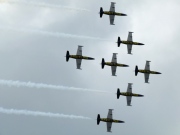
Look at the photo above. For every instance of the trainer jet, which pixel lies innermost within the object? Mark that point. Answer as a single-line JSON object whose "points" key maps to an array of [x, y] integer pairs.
{"points": [[129, 42], [113, 64], [109, 120], [146, 71], [111, 13], [128, 94], [78, 57]]}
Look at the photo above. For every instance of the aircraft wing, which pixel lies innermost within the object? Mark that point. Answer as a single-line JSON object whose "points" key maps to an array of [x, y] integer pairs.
{"points": [[113, 69], [110, 115], [129, 88], [112, 7], [130, 37], [78, 63], [79, 50], [146, 77], [114, 58], [111, 19], [147, 66], [109, 125], [129, 48], [128, 98]]}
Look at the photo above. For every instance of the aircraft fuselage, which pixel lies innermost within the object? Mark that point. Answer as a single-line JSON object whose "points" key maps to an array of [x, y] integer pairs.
{"points": [[130, 94], [131, 43], [148, 72], [113, 13], [111, 120], [115, 64], [81, 57]]}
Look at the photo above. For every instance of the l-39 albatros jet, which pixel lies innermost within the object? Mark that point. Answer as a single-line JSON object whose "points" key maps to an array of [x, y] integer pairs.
{"points": [[111, 13], [109, 120], [129, 42], [78, 57], [113, 64], [146, 71], [128, 94]]}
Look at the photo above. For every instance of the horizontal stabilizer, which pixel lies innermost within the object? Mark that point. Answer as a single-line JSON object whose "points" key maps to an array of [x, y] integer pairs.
{"points": [[102, 63], [67, 56], [98, 119], [136, 70], [118, 93]]}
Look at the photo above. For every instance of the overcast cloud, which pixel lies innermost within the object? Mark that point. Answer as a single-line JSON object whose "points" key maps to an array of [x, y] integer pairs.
{"points": [[29, 56]]}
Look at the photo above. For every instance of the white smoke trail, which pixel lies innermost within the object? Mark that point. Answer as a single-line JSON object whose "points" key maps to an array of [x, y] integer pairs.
{"points": [[43, 4], [47, 86], [52, 34], [38, 113]]}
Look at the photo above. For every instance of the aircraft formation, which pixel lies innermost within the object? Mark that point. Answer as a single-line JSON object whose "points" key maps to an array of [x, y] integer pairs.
{"points": [[129, 42]]}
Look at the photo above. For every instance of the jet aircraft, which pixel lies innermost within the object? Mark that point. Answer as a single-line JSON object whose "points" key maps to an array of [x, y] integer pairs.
{"points": [[146, 71], [128, 94], [129, 42], [78, 57], [109, 120], [111, 13], [113, 64]]}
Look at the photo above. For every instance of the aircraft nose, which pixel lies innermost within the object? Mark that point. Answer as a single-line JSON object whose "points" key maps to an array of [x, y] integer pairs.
{"points": [[123, 14], [125, 65], [140, 95], [89, 58], [158, 73], [141, 44]]}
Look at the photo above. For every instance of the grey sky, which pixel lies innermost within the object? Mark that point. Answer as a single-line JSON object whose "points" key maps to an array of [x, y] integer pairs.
{"points": [[27, 56]]}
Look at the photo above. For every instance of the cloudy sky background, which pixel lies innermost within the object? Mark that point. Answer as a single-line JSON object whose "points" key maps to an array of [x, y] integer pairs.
{"points": [[37, 57]]}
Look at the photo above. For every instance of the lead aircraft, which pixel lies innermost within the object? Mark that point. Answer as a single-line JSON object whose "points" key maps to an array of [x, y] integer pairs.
{"points": [[128, 94], [78, 57], [111, 13], [129, 42], [113, 64], [146, 71], [109, 120]]}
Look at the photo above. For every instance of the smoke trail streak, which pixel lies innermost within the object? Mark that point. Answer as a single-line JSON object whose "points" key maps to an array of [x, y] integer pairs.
{"points": [[38, 113], [47, 86], [43, 4], [52, 34]]}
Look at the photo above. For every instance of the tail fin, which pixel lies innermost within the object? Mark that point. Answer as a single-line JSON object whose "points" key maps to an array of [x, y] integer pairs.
{"points": [[98, 119], [119, 41], [118, 93], [67, 56], [136, 70], [101, 12], [103, 63]]}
